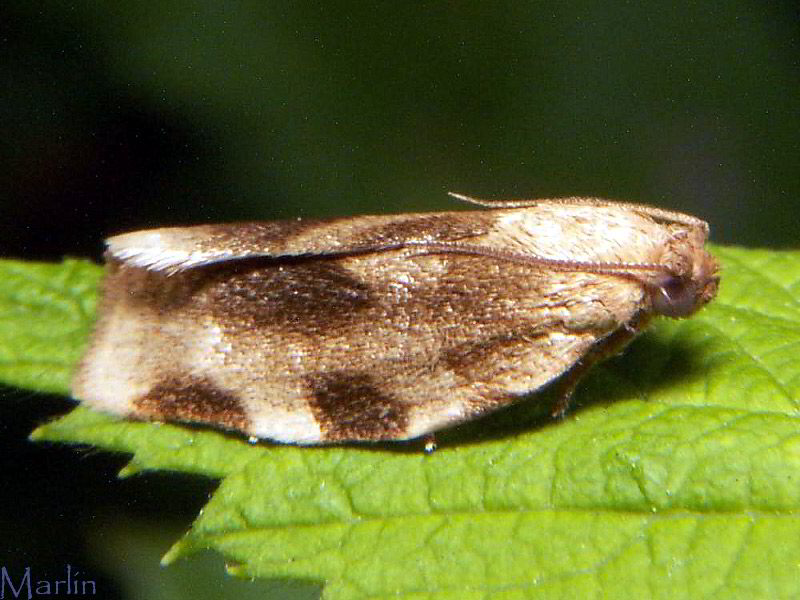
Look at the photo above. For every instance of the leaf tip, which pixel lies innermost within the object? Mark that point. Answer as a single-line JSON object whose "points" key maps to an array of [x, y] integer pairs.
{"points": [[129, 470], [177, 550], [39, 434]]}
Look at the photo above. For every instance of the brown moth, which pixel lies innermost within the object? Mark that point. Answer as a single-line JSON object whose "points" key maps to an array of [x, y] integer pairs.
{"points": [[381, 327]]}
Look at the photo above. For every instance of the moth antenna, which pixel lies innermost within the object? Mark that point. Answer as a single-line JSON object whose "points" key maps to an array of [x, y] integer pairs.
{"points": [[493, 203], [466, 198], [527, 203], [660, 214], [604, 268]]}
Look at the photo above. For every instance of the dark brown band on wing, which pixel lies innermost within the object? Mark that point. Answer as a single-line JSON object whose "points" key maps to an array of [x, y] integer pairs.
{"points": [[194, 399], [351, 406], [303, 297]]}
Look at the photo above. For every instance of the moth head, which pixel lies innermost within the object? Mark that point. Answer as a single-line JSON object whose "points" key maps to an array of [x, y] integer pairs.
{"points": [[688, 285]]}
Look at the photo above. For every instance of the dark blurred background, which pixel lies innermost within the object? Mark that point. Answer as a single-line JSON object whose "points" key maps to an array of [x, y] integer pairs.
{"points": [[122, 115]]}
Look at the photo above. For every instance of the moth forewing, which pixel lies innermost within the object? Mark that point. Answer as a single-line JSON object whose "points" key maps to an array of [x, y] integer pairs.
{"points": [[381, 327]]}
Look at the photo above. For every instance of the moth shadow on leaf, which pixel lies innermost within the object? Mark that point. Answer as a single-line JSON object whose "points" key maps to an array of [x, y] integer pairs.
{"points": [[654, 361]]}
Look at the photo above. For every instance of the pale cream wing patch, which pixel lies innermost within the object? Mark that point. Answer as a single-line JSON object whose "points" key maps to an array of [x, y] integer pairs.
{"points": [[488, 378]]}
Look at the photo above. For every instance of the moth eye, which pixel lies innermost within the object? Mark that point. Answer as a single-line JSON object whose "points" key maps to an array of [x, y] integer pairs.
{"points": [[674, 296]]}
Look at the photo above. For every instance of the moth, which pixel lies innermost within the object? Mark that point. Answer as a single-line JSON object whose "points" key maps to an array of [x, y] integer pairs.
{"points": [[385, 327]]}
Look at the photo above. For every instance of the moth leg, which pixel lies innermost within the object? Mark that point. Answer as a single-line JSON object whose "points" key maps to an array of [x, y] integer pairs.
{"points": [[561, 405], [429, 441], [609, 346]]}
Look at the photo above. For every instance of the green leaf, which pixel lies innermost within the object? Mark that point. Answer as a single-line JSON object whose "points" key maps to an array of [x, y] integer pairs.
{"points": [[676, 475], [46, 311]]}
